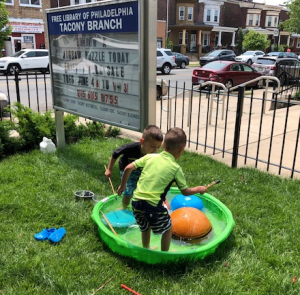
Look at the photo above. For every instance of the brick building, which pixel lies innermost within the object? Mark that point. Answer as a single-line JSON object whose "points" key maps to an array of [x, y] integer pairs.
{"points": [[27, 20]]}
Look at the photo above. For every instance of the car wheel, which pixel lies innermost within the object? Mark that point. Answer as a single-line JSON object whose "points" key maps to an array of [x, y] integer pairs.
{"points": [[158, 92], [228, 83], [13, 69], [183, 65], [166, 69], [249, 62]]}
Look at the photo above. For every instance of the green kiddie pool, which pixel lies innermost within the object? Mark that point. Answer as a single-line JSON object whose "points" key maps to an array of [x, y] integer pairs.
{"points": [[128, 240]]}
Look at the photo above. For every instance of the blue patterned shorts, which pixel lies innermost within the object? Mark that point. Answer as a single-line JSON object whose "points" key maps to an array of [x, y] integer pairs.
{"points": [[131, 183]]}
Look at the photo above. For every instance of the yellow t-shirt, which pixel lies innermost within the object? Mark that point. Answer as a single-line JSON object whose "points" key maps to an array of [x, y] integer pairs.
{"points": [[158, 174]]}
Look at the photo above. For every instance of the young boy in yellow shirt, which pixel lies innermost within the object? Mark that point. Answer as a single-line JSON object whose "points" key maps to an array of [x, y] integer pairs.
{"points": [[158, 174]]}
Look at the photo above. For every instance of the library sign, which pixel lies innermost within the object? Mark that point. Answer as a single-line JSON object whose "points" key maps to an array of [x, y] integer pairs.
{"points": [[95, 57]]}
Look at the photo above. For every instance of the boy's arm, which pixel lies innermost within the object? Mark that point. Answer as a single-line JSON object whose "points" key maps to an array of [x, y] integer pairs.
{"points": [[127, 171], [194, 190], [108, 171]]}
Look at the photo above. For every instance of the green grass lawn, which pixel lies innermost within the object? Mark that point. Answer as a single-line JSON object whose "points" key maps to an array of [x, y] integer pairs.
{"points": [[261, 256]]}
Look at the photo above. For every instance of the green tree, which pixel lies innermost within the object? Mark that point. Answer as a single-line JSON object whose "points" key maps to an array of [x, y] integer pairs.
{"points": [[292, 25], [4, 29], [169, 44], [255, 41], [239, 43]]}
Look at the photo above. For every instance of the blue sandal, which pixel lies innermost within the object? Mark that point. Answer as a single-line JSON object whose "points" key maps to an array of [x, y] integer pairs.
{"points": [[44, 234], [57, 235]]}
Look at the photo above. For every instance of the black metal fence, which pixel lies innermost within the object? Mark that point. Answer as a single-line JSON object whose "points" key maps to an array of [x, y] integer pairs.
{"points": [[258, 128]]}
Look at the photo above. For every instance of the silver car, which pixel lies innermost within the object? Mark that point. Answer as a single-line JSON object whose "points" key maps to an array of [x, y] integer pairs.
{"points": [[285, 69]]}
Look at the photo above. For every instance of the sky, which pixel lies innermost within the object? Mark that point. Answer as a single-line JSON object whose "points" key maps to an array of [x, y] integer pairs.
{"points": [[272, 2]]}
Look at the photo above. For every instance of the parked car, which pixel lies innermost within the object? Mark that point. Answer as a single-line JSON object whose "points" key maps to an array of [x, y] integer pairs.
{"points": [[25, 59], [181, 60], [161, 88], [282, 54], [285, 69], [226, 72], [250, 56], [222, 54], [165, 60], [3, 104]]}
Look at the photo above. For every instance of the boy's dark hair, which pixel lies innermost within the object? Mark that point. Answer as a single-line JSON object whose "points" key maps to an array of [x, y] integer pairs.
{"points": [[175, 139], [152, 132]]}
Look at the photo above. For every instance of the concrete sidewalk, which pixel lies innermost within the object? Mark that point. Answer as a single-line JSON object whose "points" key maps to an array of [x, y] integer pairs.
{"points": [[255, 143]]}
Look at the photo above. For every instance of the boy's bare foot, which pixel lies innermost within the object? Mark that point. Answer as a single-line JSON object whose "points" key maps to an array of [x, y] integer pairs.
{"points": [[152, 248]]}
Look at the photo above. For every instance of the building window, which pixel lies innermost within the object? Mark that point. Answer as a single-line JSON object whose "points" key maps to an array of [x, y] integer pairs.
{"points": [[216, 15], [208, 15], [76, 2], [190, 13], [181, 13], [9, 2], [272, 21], [269, 21], [298, 43], [30, 3], [212, 14], [250, 22], [257, 19], [205, 39], [180, 38], [159, 42]]}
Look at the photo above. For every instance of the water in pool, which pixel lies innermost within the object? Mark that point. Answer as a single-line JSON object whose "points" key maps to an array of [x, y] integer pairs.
{"points": [[132, 234]]}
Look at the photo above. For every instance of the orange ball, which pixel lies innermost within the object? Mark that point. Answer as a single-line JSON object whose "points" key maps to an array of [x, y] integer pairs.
{"points": [[190, 223]]}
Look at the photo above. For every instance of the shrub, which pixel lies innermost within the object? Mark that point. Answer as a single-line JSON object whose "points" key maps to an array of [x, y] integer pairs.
{"points": [[32, 127]]}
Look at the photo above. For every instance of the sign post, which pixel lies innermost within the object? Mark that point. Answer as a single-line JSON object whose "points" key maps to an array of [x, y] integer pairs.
{"points": [[100, 56]]}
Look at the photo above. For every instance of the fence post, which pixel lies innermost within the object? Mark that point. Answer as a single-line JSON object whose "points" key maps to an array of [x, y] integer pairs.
{"points": [[239, 112], [17, 79]]}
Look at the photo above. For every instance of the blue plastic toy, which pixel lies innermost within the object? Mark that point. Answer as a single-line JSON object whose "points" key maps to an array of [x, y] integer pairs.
{"points": [[120, 218], [186, 201], [44, 234]]}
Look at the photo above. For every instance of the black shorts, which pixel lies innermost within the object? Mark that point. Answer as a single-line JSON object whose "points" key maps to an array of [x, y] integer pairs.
{"points": [[147, 216]]}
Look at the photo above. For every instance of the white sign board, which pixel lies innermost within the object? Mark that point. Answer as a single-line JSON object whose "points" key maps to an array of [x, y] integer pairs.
{"points": [[95, 56]]}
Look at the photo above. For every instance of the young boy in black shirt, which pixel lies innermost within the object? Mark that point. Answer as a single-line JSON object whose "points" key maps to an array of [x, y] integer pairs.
{"points": [[150, 142]]}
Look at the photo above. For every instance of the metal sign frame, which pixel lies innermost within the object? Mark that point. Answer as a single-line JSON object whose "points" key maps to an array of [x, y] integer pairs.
{"points": [[100, 56]]}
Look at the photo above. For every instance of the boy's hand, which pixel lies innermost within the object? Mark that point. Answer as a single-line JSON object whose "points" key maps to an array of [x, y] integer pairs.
{"points": [[202, 189], [120, 190], [107, 173]]}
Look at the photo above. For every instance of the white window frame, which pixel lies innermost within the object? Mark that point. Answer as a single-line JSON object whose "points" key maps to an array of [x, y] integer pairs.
{"points": [[33, 38], [190, 13], [250, 20], [257, 20], [12, 2], [213, 12], [298, 43], [205, 37], [181, 10], [208, 14], [31, 5], [275, 21], [216, 16], [72, 2]]}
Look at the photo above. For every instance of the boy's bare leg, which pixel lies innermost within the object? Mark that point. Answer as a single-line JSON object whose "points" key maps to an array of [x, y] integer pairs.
{"points": [[126, 201], [166, 240], [146, 238]]}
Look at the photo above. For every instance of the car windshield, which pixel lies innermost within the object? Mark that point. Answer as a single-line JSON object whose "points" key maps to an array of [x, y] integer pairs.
{"points": [[214, 53], [248, 53], [273, 53], [168, 52], [17, 54], [214, 66], [265, 61]]}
